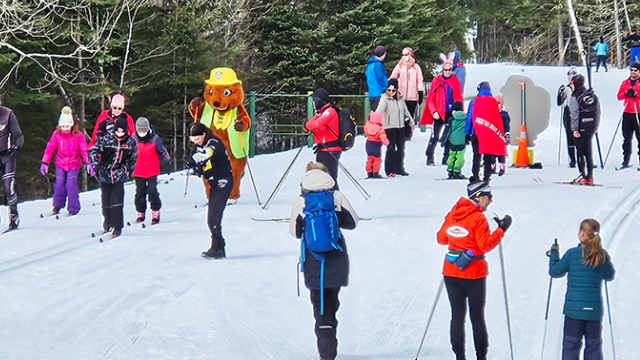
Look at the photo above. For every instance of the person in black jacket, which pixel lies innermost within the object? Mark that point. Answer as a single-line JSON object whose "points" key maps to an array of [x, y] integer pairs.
{"points": [[336, 264], [113, 158], [584, 109], [210, 160], [11, 140]]}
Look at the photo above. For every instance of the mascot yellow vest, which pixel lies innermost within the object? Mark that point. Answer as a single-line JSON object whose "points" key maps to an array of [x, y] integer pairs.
{"points": [[238, 141]]}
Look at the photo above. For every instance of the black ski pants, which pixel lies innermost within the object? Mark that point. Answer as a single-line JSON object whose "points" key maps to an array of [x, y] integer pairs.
{"points": [[411, 107], [585, 152], [574, 331], [629, 127], [220, 191], [477, 157], [394, 158], [8, 171], [571, 148], [146, 186], [435, 135], [112, 199], [474, 292], [326, 324], [331, 160]]}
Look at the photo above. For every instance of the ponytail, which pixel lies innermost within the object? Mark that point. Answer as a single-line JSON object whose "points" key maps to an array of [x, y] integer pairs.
{"points": [[592, 252]]}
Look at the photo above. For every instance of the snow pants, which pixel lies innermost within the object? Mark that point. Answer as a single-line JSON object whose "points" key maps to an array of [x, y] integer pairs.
{"points": [[411, 107], [477, 157], [455, 161], [574, 331], [629, 127], [601, 59], [326, 325], [331, 160], [374, 156], [394, 158], [474, 292], [66, 186], [220, 191], [438, 125], [144, 187], [112, 199], [8, 171], [585, 153]]}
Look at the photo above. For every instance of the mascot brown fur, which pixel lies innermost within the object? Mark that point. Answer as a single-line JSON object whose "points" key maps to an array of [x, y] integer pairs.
{"points": [[223, 113]]}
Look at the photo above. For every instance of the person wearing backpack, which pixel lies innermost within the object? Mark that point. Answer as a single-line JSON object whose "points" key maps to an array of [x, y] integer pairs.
{"points": [[316, 218], [395, 112], [466, 233], [584, 109], [325, 127]]}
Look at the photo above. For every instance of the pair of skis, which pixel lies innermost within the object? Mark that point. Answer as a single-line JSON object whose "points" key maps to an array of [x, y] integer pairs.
{"points": [[539, 180]]}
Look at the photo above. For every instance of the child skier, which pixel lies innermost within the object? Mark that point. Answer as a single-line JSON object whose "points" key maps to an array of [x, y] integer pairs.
{"points": [[376, 136], [151, 152], [113, 158], [71, 147], [456, 137], [210, 160], [506, 122], [327, 271], [587, 265]]}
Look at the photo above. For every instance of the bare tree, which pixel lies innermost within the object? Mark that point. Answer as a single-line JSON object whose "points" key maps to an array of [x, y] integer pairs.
{"points": [[576, 30]]}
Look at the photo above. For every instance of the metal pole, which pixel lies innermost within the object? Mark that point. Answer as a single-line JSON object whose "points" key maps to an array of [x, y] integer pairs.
{"points": [[612, 140], [546, 313], [613, 343], [506, 299], [286, 173], [252, 116], [560, 135], [433, 309], [599, 151]]}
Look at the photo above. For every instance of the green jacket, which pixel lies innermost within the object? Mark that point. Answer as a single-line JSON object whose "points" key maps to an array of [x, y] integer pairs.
{"points": [[584, 285], [457, 135]]}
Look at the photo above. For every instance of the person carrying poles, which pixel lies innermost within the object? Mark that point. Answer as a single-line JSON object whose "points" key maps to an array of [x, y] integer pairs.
{"points": [[628, 93]]}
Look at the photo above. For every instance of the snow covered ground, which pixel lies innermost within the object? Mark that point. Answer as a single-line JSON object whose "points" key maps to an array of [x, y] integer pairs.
{"points": [[149, 294]]}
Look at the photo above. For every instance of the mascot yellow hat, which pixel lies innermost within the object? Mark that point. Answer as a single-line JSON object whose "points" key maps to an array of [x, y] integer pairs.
{"points": [[222, 76]]}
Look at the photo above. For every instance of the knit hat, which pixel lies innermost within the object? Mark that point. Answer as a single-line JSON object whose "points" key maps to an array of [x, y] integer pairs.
{"points": [[197, 129], [379, 51], [117, 101], [393, 82], [142, 124], [573, 71], [478, 188], [457, 106], [635, 65], [484, 85], [121, 123], [320, 97], [65, 119], [578, 80], [407, 51]]}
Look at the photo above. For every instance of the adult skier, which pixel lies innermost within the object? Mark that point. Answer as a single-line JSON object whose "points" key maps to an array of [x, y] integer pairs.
{"points": [[324, 124], [376, 75], [628, 93], [466, 232], [410, 85], [11, 141], [564, 94], [584, 108], [107, 118], [601, 54]]}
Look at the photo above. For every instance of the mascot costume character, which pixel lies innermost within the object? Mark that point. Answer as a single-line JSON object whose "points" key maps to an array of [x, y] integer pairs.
{"points": [[223, 113]]}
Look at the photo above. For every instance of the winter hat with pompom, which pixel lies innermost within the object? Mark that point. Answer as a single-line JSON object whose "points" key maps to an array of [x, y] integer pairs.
{"points": [[65, 119]]}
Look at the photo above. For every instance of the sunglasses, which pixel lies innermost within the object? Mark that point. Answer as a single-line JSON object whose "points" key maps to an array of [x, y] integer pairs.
{"points": [[447, 69], [117, 108], [391, 90], [634, 70]]}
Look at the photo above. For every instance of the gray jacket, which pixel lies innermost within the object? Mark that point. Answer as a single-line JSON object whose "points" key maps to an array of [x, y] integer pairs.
{"points": [[574, 113], [394, 110]]}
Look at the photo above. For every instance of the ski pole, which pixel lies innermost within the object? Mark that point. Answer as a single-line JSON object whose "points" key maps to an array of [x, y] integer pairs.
{"points": [[284, 176], [599, 151], [506, 299], [249, 167], [612, 140], [433, 309], [613, 343], [186, 183], [560, 134], [546, 313]]}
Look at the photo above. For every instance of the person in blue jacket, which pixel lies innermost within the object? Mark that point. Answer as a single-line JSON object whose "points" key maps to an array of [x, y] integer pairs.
{"points": [[587, 265], [459, 70], [601, 54], [376, 75]]}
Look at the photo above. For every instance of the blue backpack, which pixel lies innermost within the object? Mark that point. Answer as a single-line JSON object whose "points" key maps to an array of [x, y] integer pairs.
{"points": [[321, 231]]}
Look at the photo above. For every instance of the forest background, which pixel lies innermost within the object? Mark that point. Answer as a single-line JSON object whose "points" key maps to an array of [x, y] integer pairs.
{"points": [[158, 52]]}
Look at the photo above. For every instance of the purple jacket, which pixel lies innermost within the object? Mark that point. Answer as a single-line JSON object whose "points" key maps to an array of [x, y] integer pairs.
{"points": [[71, 150]]}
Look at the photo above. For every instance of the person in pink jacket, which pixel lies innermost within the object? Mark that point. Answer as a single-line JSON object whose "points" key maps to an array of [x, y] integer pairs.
{"points": [[71, 147], [410, 83], [376, 136]]}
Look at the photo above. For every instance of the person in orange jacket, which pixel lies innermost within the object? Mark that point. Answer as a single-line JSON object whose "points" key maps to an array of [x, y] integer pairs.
{"points": [[376, 137], [466, 232]]}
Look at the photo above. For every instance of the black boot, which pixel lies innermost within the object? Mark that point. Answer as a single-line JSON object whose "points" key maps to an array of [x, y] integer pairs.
{"points": [[450, 174], [214, 254], [369, 175], [430, 161], [572, 156], [14, 221]]}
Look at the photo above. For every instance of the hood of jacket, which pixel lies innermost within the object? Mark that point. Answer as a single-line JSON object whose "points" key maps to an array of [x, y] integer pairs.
{"points": [[374, 59], [465, 207], [316, 180]]}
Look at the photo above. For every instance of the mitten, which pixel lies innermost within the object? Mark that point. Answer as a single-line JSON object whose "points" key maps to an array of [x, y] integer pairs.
{"points": [[44, 167], [630, 93], [504, 223], [507, 138], [90, 171], [200, 156], [467, 139], [94, 167], [239, 126], [420, 97]]}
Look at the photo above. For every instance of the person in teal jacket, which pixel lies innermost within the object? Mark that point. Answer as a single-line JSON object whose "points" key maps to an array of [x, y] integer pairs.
{"points": [[587, 265], [601, 54]]}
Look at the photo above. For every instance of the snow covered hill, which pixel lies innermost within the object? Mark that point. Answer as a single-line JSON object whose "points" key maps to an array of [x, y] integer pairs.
{"points": [[149, 294]]}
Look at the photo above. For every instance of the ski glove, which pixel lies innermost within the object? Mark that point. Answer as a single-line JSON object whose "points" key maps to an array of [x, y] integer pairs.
{"points": [[420, 97], [504, 223], [90, 171], [44, 167], [630, 93], [94, 166]]}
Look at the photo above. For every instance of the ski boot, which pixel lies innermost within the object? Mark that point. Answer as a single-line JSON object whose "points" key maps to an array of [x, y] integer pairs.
{"points": [[155, 217], [141, 217], [458, 176], [578, 180], [116, 232], [502, 169], [450, 174], [211, 254], [232, 201], [55, 211], [369, 175], [430, 161], [376, 175], [14, 221]]}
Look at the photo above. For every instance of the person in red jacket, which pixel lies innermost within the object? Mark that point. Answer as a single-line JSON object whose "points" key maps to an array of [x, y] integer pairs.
{"points": [[628, 92], [466, 232], [445, 90], [325, 128], [376, 137], [151, 152], [107, 118]]}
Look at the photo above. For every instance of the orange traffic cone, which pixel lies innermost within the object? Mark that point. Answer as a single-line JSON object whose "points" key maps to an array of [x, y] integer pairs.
{"points": [[522, 160]]}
